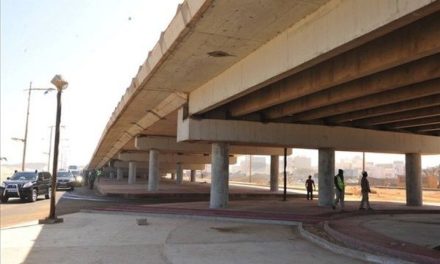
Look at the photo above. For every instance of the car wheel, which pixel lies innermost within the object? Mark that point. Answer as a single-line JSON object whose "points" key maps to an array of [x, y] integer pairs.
{"points": [[33, 196], [5, 199], [72, 188], [49, 192]]}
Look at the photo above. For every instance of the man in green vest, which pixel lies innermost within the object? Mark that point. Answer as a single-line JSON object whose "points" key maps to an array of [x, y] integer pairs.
{"points": [[339, 189]]}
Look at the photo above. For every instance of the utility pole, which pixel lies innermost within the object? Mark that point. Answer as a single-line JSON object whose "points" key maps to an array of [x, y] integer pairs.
{"points": [[26, 128], [23, 161]]}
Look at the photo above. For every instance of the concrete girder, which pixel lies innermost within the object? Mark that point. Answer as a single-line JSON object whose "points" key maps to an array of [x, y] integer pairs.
{"points": [[421, 70], [169, 167], [305, 136], [410, 97], [171, 158], [388, 109], [361, 98], [415, 123], [333, 29], [396, 117], [410, 43], [427, 128], [170, 144]]}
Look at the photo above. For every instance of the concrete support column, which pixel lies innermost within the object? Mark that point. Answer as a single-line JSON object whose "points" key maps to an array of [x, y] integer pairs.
{"points": [[119, 174], [413, 169], [179, 173], [173, 176], [112, 173], [131, 172], [153, 171], [219, 176], [274, 172], [326, 171], [193, 176]]}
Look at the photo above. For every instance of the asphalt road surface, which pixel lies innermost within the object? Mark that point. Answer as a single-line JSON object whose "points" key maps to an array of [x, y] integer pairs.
{"points": [[15, 211]]}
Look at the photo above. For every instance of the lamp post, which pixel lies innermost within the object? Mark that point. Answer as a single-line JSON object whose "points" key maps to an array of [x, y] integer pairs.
{"points": [[60, 84], [50, 146], [24, 140]]}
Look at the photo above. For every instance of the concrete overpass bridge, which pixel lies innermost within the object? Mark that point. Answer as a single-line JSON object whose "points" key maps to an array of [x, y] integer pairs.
{"points": [[254, 77]]}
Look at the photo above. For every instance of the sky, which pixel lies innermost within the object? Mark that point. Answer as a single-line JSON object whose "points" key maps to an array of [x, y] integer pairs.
{"points": [[97, 45]]}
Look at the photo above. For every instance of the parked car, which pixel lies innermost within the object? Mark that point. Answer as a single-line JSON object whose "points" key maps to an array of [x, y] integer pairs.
{"points": [[65, 180], [26, 185]]}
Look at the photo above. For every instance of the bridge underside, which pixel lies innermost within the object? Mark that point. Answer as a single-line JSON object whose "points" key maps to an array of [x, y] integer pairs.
{"points": [[326, 74]]}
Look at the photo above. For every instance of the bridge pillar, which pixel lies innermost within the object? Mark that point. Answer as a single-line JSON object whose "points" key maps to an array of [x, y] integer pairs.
{"points": [[153, 170], [326, 171], [219, 176], [131, 172], [179, 173], [112, 172], [119, 174], [193, 176], [413, 169], [274, 172]]}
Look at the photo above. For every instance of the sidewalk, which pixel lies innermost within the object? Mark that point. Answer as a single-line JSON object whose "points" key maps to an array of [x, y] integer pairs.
{"points": [[366, 231], [257, 227]]}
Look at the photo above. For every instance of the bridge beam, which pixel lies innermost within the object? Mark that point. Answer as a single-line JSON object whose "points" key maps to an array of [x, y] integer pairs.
{"points": [[170, 144], [304, 136]]}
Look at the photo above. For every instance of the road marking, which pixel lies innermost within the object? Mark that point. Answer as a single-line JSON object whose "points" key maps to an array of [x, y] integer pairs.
{"points": [[81, 197]]}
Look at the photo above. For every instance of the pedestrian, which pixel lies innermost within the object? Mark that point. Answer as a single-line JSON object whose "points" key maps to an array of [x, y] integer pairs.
{"points": [[365, 189], [92, 177], [339, 189], [310, 186]]}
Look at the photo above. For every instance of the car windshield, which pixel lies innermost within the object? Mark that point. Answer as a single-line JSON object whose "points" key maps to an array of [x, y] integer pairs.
{"points": [[64, 174], [24, 176]]}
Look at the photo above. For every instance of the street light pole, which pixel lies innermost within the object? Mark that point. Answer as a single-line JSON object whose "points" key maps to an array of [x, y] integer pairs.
{"points": [[26, 128], [60, 84], [23, 161]]}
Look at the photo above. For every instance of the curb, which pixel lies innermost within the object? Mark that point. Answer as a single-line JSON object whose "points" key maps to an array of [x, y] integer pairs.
{"points": [[384, 250], [200, 217], [353, 253]]}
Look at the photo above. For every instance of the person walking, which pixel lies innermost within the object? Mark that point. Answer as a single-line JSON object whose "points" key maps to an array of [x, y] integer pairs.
{"points": [[365, 189], [310, 185], [92, 178], [339, 189]]}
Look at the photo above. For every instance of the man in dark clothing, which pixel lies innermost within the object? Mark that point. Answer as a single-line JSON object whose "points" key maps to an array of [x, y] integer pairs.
{"points": [[310, 185], [339, 189], [365, 188]]}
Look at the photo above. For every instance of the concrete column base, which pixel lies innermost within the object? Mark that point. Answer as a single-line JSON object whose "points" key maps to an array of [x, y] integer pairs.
{"points": [[153, 171], [131, 172], [326, 171], [119, 174], [179, 173], [219, 176], [274, 172], [413, 169], [193, 176]]}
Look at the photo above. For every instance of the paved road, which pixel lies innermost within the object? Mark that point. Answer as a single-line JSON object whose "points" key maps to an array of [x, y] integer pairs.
{"points": [[15, 211]]}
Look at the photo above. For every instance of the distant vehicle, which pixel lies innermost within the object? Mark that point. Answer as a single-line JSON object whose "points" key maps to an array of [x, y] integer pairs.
{"points": [[26, 185], [79, 180], [65, 180], [73, 168]]}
